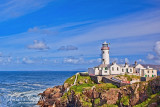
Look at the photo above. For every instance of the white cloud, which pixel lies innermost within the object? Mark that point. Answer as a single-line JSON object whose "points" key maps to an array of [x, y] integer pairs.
{"points": [[99, 60], [81, 60], [126, 60], [157, 48], [114, 60], [1, 54], [16, 8], [150, 56], [141, 61], [27, 61], [91, 61], [34, 29], [38, 45], [155, 58], [73, 60], [128, 26]]}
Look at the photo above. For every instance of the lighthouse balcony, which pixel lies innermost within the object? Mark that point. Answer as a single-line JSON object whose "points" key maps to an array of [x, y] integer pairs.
{"points": [[105, 48]]}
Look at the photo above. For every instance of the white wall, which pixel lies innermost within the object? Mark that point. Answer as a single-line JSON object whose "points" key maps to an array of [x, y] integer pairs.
{"points": [[115, 69], [97, 71], [105, 57], [151, 72], [105, 71], [91, 71]]}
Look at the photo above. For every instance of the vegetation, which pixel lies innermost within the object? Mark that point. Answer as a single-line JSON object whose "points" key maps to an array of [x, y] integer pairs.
{"points": [[104, 86], [85, 103], [108, 105], [151, 99], [84, 79], [97, 101], [129, 77], [79, 88], [125, 100], [70, 80]]}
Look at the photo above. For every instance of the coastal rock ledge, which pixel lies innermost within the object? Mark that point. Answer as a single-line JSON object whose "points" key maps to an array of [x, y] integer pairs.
{"points": [[86, 93]]}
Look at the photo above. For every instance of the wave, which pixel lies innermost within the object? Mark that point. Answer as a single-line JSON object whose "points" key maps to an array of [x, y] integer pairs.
{"points": [[15, 99]]}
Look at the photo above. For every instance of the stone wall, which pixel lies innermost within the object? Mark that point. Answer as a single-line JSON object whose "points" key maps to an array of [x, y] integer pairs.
{"points": [[96, 79], [147, 78], [107, 80]]}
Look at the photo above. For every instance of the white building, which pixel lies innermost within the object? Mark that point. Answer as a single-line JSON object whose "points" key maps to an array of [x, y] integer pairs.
{"points": [[116, 69]]}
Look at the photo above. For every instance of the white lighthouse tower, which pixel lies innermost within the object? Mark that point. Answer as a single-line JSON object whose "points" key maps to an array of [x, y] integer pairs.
{"points": [[105, 53]]}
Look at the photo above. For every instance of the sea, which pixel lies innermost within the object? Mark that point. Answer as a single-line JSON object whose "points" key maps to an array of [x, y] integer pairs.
{"points": [[21, 88]]}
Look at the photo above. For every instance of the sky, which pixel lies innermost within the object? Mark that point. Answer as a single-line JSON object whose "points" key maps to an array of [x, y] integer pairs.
{"points": [[67, 35]]}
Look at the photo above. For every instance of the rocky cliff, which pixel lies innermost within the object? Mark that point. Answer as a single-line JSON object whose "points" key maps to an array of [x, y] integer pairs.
{"points": [[86, 93]]}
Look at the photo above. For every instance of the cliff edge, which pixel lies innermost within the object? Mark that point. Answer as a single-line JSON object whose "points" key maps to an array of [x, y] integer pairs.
{"points": [[86, 93]]}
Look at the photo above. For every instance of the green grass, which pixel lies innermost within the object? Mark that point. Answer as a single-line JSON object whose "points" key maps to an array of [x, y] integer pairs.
{"points": [[97, 101], [64, 97], [84, 79], [70, 80], [85, 103], [104, 86], [151, 99], [79, 88], [125, 100]]}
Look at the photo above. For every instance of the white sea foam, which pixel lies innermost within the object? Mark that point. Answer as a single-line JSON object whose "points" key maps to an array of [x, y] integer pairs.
{"points": [[28, 97]]}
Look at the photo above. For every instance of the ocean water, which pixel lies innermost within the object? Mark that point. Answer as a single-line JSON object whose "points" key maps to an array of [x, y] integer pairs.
{"points": [[21, 89]]}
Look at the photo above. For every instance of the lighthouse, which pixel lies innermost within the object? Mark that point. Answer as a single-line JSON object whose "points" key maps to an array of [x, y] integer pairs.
{"points": [[105, 53]]}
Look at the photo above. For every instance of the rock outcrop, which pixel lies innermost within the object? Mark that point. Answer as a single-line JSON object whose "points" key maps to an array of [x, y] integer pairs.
{"points": [[88, 94]]}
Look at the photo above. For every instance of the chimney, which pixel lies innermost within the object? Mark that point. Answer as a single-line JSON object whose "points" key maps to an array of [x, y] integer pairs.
{"points": [[135, 62]]}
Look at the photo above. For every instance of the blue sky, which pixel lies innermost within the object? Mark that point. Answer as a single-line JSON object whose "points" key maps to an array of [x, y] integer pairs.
{"points": [[67, 34]]}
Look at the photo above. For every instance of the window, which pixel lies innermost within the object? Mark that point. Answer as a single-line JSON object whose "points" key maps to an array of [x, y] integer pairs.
{"points": [[130, 70], [105, 71], [122, 70], [152, 71], [148, 71], [112, 69], [148, 75], [127, 70], [106, 68], [117, 69]]}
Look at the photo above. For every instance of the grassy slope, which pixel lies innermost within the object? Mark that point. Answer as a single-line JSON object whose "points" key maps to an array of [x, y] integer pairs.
{"points": [[85, 83]]}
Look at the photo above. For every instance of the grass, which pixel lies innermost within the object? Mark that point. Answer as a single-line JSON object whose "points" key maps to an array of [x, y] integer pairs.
{"points": [[70, 80], [64, 97], [129, 77], [79, 88], [104, 86], [85, 103], [97, 101], [125, 100], [151, 99], [84, 79], [85, 83]]}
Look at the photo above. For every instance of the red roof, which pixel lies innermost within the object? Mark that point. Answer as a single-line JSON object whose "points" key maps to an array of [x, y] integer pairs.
{"points": [[105, 48]]}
